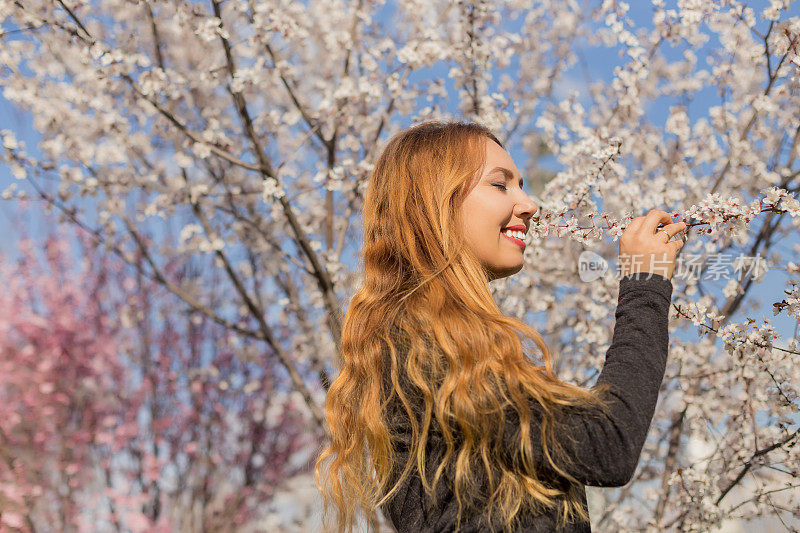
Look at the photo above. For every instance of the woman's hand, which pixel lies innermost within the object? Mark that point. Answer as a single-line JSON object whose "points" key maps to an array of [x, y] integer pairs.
{"points": [[643, 246]]}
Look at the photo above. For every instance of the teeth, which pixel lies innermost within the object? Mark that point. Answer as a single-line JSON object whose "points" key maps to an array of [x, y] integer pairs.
{"points": [[516, 234]]}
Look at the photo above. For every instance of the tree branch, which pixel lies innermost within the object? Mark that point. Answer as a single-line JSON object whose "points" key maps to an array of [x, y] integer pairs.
{"points": [[669, 463], [324, 281], [258, 314], [749, 464]]}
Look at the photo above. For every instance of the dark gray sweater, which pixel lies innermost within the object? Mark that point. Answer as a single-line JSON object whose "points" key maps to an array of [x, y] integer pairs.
{"points": [[605, 449]]}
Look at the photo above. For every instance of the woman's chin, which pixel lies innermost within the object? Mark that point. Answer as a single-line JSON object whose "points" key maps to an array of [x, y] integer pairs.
{"points": [[504, 272]]}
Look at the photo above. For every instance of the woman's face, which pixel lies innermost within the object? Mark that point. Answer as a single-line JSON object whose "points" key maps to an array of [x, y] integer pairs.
{"points": [[496, 204]]}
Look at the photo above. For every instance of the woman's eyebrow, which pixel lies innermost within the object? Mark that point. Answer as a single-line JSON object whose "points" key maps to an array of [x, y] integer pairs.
{"points": [[506, 173]]}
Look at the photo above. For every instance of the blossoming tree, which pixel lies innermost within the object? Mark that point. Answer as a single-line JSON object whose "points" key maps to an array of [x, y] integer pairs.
{"points": [[250, 127], [119, 409]]}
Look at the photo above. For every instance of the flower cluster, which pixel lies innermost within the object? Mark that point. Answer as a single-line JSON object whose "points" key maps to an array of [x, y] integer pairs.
{"points": [[731, 213], [696, 493]]}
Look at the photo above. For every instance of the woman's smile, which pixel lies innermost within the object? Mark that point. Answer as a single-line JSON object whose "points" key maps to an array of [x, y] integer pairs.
{"points": [[515, 234], [516, 240]]}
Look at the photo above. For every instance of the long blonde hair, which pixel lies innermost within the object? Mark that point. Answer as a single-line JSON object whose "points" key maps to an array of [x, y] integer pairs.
{"points": [[425, 334]]}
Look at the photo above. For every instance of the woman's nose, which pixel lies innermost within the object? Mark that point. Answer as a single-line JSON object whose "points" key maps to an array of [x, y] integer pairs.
{"points": [[527, 208]]}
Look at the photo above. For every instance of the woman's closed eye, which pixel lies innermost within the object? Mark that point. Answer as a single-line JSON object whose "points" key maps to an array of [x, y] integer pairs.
{"points": [[500, 185]]}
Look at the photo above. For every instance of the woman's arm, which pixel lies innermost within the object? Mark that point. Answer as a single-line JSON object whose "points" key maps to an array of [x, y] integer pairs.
{"points": [[604, 449]]}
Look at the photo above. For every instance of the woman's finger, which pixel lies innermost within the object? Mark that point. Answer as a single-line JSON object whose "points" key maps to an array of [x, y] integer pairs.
{"points": [[653, 218], [672, 229]]}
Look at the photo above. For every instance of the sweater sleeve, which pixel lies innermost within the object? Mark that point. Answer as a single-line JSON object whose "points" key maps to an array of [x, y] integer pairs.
{"points": [[603, 449]]}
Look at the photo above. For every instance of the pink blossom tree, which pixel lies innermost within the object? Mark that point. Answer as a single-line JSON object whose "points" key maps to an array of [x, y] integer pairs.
{"points": [[120, 409], [249, 128]]}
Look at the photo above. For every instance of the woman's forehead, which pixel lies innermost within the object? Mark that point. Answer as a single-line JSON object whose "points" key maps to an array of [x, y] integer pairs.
{"points": [[498, 159]]}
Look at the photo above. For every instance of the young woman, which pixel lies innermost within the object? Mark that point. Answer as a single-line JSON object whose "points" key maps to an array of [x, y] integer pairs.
{"points": [[437, 416]]}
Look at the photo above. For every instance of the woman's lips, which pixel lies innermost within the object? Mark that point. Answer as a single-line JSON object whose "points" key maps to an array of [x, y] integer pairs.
{"points": [[516, 241]]}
